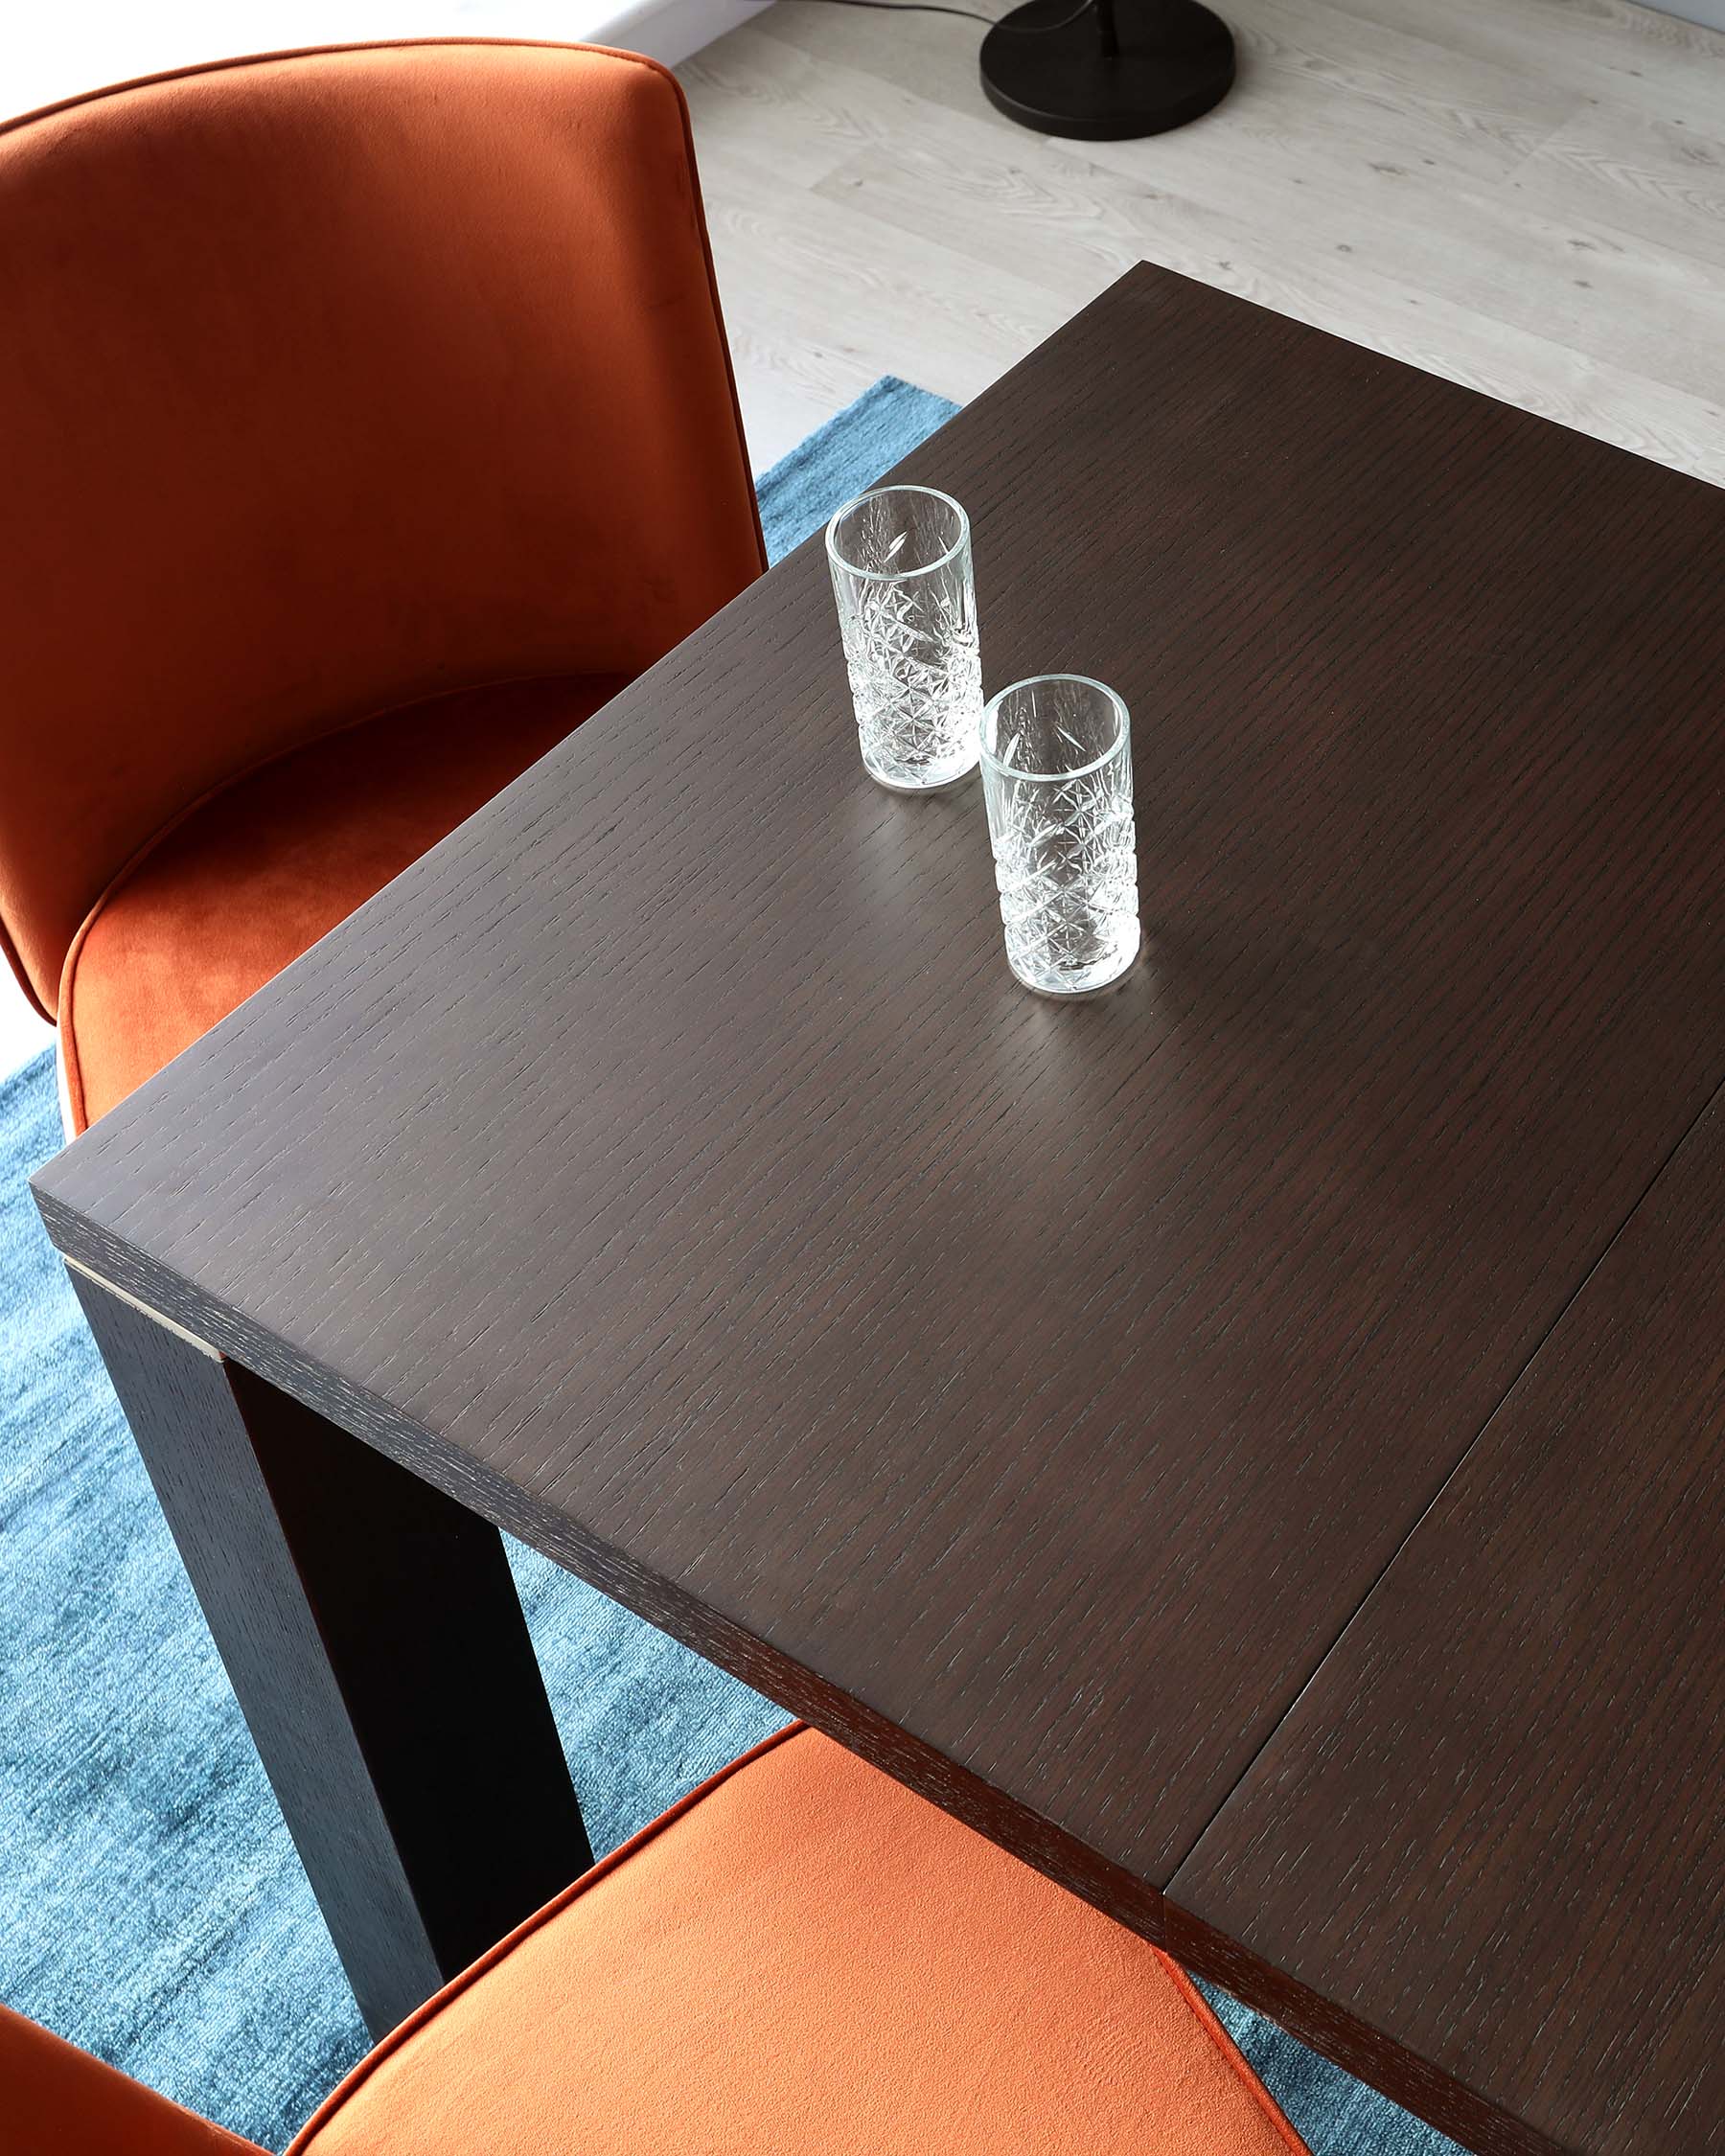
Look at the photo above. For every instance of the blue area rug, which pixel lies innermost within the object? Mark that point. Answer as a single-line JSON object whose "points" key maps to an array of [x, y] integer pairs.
{"points": [[152, 1907]]}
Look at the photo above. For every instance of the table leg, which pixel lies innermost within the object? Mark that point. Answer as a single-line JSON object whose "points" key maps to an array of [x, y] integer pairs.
{"points": [[372, 1632]]}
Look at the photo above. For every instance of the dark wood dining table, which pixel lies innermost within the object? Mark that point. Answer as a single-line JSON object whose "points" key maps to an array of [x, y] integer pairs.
{"points": [[1249, 1444]]}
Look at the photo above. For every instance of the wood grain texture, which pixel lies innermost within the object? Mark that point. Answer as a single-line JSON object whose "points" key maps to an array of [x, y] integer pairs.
{"points": [[372, 1634], [669, 1167], [1498, 1807]]}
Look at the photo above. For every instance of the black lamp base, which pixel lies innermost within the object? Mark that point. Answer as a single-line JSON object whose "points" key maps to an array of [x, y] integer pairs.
{"points": [[1175, 61]]}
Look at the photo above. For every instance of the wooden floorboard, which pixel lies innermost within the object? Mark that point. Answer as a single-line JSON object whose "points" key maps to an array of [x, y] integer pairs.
{"points": [[1526, 196]]}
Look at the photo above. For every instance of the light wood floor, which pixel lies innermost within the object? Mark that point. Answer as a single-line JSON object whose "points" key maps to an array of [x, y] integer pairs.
{"points": [[1526, 195]]}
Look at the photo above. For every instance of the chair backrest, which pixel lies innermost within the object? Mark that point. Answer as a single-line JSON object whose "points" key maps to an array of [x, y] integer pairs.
{"points": [[327, 380], [56, 2101]]}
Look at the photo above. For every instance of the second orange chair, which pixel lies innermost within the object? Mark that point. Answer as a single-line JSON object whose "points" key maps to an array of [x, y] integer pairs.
{"points": [[802, 1958]]}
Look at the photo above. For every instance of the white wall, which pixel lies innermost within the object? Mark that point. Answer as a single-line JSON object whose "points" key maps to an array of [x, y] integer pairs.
{"points": [[1709, 12], [49, 51]]}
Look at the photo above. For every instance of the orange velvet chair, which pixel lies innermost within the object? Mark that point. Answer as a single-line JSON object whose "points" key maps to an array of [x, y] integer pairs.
{"points": [[369, 423], [801, 1959]]}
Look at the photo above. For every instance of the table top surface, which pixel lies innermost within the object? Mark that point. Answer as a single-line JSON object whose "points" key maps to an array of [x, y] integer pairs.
{"points": [[1530, 1711], [1031, 1395]]}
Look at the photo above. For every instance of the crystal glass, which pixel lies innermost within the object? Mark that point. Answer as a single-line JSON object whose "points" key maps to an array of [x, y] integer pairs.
{"points": [[1057, 778], [901, 563]]}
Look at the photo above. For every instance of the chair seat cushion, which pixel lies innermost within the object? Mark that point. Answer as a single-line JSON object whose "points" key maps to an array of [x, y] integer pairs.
{"points": [[804, 1959], [252, 875]]}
